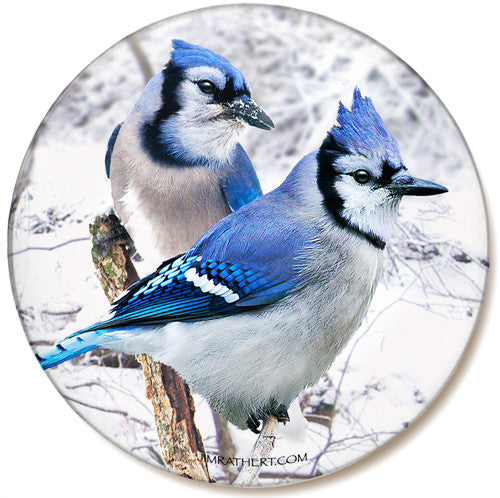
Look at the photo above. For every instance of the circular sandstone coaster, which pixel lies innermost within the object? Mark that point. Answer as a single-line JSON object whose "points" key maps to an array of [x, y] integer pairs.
{"points": [[295, 337]]}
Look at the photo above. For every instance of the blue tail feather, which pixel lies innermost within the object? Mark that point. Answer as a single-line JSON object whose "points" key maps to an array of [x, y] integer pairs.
{"points": [[72, 346]]}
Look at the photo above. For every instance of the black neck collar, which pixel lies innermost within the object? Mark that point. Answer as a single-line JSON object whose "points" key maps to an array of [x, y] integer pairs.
{"points": [[150, 132]]}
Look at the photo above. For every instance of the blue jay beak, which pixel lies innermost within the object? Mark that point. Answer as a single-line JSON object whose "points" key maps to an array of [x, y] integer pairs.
{"points": [[409, 185], [246, 109]]}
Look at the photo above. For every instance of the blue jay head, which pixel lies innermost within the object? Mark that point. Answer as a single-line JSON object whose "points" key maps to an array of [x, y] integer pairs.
{"points": [[361, 173], [205, 103]]}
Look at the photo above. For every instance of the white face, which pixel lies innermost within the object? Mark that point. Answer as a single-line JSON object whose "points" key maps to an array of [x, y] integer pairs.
{"points": [[367, 205], [198, 127]]}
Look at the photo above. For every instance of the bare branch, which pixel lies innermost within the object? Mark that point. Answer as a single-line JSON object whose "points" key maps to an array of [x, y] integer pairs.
{"points": [[224, 443], [140, 56], [107, 410], [261, 450], [49, 248]]}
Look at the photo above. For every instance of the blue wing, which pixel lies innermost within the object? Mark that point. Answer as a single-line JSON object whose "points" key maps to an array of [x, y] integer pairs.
{"points": [[249, 259], [188, 288], [241, 185], [109, 151], [270, 234]]}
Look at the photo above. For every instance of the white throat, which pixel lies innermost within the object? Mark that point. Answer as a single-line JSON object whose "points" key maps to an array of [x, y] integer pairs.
{"points": [[195, 138], [199, 130], [374, 214]]}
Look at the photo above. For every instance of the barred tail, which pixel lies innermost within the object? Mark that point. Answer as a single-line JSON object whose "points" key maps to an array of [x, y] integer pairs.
{"points": [[72, 346]]}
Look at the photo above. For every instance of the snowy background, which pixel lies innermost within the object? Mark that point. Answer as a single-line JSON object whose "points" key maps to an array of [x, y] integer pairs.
{"points": [[298, 66]]}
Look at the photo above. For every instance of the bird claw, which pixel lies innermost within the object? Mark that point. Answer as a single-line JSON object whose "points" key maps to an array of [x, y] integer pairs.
{"points": [[281, 414], [109, 232], [253, 423], [274, 410]]}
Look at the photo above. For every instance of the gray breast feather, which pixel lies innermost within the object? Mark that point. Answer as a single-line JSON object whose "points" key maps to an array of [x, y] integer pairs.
{"points": [[165, 209]]}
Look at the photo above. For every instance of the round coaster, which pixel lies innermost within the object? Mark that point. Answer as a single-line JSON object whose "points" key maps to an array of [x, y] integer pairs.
{"points": [[290, 230]]}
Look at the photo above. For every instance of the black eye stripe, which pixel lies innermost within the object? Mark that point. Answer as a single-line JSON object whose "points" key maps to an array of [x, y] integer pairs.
{"points": [[388, 171], [227, 94], [363, 176]]}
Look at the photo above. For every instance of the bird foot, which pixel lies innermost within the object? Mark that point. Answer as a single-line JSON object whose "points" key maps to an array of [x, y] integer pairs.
{"points": [[281, 414], [253, 423], [108, 233], [273, 410]]}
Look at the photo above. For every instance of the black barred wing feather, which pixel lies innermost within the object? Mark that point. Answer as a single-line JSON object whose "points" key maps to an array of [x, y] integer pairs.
{"points": [[189, 289]]}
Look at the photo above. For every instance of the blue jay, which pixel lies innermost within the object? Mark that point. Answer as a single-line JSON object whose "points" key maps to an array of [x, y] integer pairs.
{"points": [[175, 165], [265, 300]]}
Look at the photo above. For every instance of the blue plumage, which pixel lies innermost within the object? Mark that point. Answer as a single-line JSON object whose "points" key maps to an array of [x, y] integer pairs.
{"points": [[263, 235], [362, 130], [189, 288], [241, 184], [186, 55], [74, 345]]}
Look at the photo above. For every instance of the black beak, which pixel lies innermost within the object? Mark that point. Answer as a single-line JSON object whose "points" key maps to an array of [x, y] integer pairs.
{"points": [[246, 109], [408, 185]]}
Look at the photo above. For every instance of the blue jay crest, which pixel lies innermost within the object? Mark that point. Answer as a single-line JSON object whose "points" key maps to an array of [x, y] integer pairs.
{"points": [[185, 55], [362, 131]]}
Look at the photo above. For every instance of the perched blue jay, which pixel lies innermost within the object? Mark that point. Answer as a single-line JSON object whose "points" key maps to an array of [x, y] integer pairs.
{"points": [[265, 300], [175, 165]]}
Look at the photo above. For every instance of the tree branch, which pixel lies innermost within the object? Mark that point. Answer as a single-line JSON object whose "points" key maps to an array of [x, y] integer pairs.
{"points": [[49, 248], [224, 443], [140, 56], [180, 441], [261, 450]]}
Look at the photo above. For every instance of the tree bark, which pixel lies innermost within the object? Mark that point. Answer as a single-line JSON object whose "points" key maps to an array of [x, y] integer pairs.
{"points": [[181, 444]]}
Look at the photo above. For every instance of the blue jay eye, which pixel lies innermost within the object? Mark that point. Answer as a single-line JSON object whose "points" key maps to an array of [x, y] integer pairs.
{"points": [[362, 176], [206, 86]]}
